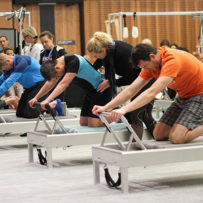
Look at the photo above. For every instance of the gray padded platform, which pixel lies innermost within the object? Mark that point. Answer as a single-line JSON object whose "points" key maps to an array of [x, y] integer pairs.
{"points": [[152, 144], [14, 118]]}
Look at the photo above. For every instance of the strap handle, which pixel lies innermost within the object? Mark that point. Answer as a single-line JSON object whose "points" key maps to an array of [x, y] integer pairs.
{"points": [[124, 19], [42, 158], [134, 16], [110, 181]]}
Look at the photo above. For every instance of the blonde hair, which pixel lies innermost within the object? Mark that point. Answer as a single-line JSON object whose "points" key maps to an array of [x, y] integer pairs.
{"points": [[3, 58], [29, 31], [98, 41], [147, 41]]}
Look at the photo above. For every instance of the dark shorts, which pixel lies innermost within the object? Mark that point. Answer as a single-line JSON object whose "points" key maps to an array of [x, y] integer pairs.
{"points": [[2, 103], [95, 98], [24, 110], [187, 112]]}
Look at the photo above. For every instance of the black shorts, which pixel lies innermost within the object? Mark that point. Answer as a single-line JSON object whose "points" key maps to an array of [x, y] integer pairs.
{"points": [[2, 103], [95, 98], [24, 110]]}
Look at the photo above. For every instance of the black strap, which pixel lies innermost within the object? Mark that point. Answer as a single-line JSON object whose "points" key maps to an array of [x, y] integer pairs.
{"points": [[134, 15], [110, 181], [124, 19], [110, 69], [42, 158]]}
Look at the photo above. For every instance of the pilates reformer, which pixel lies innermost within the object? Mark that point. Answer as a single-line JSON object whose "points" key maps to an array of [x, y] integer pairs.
{"points": [[72, 110], [63, 137], [139, 153], [11, 124], [7, 111], [161, 105]]}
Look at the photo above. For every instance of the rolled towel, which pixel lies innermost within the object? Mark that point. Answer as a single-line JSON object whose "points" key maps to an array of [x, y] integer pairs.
{"points": [[59, 108]]}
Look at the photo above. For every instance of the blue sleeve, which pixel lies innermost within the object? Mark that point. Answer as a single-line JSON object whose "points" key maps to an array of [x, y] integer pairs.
{"points": [[2, 78], [21, 63], [9, 82]]}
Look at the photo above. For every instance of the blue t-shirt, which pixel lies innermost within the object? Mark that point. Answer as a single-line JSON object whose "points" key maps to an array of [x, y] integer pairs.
{"points": [[26, 71]]}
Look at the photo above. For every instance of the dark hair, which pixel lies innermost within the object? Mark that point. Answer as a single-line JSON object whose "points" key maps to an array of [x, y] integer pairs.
{"points": [[183, 49], [4, 37], [165, 42], [8, 48], [47, 70], [142, 52], [173, 44], [46, 33]]}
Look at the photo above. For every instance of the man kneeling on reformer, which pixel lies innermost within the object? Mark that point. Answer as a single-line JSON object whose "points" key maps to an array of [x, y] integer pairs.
{"points": [[178, 70], [68, 67]]}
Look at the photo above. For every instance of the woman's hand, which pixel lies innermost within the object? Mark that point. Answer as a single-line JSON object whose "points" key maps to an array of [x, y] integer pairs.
{"points": [[103, 86]]}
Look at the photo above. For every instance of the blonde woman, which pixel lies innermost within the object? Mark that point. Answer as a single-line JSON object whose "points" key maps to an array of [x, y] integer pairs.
{"points": [[33, 48], [115, 56]]}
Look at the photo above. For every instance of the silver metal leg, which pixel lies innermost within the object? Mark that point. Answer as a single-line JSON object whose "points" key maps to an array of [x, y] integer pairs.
{"points": [[96, 172], [124, 180], [157, 111], [49, 157], [30, 153]]}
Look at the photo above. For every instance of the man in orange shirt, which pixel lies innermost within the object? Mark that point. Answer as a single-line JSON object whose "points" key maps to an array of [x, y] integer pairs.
{"points": [[178, 70]]}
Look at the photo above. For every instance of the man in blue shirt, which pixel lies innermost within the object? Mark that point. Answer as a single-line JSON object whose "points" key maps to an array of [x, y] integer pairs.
{"points": [[26, 71]]}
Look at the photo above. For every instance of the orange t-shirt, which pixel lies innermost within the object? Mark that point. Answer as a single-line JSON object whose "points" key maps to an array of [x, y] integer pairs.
{"points": [[185, 68]]}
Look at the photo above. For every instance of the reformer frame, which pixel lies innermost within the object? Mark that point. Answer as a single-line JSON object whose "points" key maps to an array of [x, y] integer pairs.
{"points": [[130, 155], [24, 125], [196, 14], [161, 105], [18, 14], [28, 125], [49, 139]]}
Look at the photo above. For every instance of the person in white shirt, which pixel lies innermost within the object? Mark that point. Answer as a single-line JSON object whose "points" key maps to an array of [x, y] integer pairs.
{"points": [[31, 38]]}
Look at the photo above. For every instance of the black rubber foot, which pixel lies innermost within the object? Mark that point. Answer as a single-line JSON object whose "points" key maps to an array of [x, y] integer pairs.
{"points": [[23, 135]]}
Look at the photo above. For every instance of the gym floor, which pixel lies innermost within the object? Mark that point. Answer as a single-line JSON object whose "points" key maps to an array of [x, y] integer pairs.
{"points": [[71, 179]]}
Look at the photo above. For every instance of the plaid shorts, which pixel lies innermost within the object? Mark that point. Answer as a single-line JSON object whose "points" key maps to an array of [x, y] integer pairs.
{"points": [[185, 111]]}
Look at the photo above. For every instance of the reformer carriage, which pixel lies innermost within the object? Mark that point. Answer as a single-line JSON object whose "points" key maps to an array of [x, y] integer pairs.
{"points": [[60, 136], [141, 153]]}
